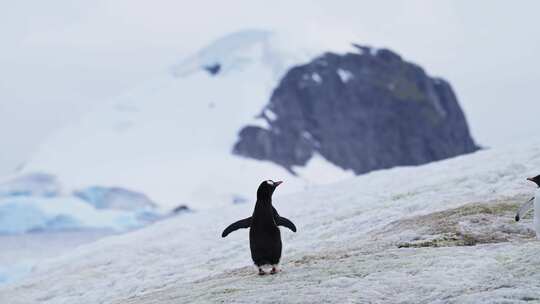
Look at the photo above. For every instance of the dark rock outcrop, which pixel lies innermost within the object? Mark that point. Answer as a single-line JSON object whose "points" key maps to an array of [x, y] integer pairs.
{"points": [[361, 111], [181, 209], [213, 69]]}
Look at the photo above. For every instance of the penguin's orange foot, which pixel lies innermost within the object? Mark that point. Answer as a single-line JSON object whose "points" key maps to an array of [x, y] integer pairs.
{"points": [[274, 270]]}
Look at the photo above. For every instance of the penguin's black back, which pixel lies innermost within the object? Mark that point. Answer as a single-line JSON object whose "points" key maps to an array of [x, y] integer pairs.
{"points": [[264, 234]]}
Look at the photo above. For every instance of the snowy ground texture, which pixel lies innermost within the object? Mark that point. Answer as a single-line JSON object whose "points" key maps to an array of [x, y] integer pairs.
{"points": [[440, 233]]}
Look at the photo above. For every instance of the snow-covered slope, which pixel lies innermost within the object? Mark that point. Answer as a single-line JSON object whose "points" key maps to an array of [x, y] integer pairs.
{"points": [[172, 138], [439, 233]]}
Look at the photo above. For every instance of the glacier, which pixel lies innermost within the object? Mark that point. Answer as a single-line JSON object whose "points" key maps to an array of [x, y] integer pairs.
{"points": [[115, 198], [32, 184], [37, 202], [34, 214]]}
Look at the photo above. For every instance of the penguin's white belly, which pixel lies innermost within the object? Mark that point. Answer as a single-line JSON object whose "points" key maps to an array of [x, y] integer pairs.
{"points": [[536, 220]]}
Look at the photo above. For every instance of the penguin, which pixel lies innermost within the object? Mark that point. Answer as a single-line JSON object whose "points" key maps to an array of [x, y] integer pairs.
{"points": [[529, 204], [264, 234]]}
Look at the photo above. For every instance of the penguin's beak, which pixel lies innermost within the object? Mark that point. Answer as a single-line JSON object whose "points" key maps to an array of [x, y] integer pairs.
{"points": [[278, 183], [530, 179]]}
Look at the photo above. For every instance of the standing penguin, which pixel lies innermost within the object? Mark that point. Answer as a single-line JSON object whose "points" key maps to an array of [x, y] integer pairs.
{"points": [[529, 204], [264, 234]]}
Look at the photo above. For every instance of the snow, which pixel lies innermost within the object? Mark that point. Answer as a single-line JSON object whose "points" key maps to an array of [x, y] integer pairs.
{"points": [[14, 272], [172, 138], [348, 248], [260, 122], [306, 135], [316, 77], [239, 50], [270, 115], [21, 252], [345, 75], [233, 51], [320, 171]]}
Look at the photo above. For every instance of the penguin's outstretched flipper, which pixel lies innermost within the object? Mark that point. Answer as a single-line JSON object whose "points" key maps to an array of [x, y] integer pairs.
{"points": [[283, 221], [245, 223], [524, 208]]}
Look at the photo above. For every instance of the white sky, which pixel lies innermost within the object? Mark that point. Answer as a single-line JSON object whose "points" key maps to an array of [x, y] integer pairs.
{"points": [[60, 57]]}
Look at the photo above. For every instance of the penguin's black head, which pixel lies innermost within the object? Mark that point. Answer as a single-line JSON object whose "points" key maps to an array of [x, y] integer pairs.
{"points": [[535, 180], [266, 189]]}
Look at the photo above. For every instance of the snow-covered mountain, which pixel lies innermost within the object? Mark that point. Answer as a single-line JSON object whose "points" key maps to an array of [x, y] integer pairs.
{"points": [[172, 139], [438, 233]]}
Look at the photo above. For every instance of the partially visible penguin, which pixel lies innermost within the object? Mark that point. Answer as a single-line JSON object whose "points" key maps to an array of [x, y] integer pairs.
{"points": [[529, 204], [264, 234]]}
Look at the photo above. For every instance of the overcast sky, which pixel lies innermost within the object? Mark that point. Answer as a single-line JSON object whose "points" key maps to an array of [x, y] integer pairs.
{"points": [[61, 57]]}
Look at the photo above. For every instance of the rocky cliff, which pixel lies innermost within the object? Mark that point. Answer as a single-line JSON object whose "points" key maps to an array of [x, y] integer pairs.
{"points": [[363, 111]]}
